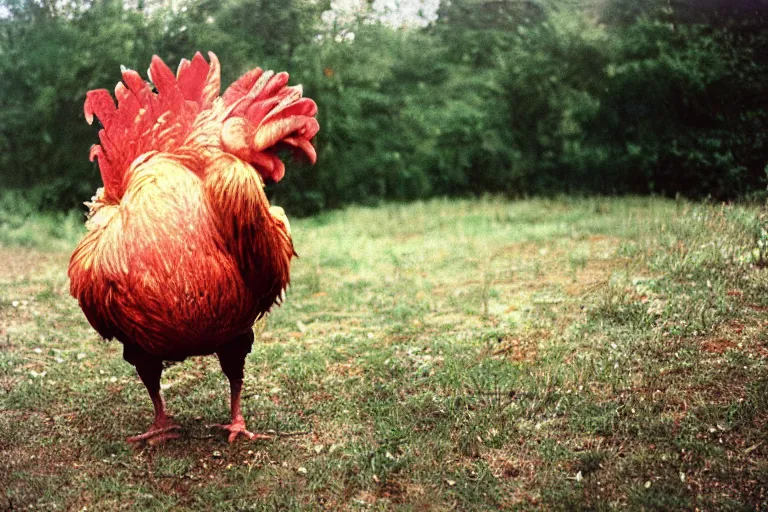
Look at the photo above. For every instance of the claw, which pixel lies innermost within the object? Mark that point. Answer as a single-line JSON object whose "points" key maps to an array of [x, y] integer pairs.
{"points": [[157, 434], [237, 428]]}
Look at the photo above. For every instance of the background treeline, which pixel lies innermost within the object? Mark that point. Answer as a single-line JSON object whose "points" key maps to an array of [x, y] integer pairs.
{"points": [[500, 96]]}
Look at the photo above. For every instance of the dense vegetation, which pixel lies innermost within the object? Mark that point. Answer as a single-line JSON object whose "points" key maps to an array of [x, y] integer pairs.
{"points": [[506, 97]]}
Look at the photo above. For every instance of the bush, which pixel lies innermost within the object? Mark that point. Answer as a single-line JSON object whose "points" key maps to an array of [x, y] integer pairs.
{"points": [[494, 97]]}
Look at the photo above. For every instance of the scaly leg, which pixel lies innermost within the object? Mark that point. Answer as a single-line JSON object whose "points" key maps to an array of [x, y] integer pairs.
{"points": [[149, 369], [232, 359]]}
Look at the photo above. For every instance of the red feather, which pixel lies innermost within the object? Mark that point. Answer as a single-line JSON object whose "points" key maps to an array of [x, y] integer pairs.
{"points": [[183, 251]]}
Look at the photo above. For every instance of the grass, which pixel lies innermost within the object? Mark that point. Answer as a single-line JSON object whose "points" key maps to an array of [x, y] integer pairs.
{"points": [[602, 354]]}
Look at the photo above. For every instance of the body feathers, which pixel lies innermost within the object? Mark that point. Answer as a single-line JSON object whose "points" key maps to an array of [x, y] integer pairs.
{"points": [[183, 251]]}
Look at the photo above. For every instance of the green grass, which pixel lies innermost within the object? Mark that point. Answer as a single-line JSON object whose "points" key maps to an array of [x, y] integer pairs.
{"points": [[602, 354]]}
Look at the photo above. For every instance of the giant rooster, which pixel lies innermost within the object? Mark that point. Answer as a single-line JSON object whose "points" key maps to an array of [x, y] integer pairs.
{"points": [[183, 252]]}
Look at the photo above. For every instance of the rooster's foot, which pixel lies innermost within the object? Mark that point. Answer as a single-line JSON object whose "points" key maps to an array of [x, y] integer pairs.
{"points": [[157, 433], [237, 428]]}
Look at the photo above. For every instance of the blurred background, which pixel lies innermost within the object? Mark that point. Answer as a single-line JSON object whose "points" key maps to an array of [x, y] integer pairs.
{"points": [[420, 98]]}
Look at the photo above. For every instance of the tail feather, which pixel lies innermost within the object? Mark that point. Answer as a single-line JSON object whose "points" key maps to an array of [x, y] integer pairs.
{"points": [[243, 85], [168, 87], [262, 112], [199, 81], [255, 115], [100, 103]]}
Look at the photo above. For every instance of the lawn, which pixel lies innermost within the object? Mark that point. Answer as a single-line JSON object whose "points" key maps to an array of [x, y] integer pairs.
{"points": [[603, 354]]}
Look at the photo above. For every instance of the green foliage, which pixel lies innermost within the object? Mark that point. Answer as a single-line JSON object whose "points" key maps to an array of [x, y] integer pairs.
{"points": [[49, 61], [504, 97]]}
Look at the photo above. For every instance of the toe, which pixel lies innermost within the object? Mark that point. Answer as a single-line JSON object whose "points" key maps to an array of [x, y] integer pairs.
{"points": [[237, 429], [235, 433], [154, 434], [162, 438]]}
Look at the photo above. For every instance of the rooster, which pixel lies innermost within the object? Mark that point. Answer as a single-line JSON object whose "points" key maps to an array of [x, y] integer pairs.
{"points": [[183, 251]]}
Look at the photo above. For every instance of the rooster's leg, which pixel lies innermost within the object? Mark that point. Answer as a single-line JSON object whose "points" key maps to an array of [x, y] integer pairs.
{"points": [[232, 358], [149, 369]]}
